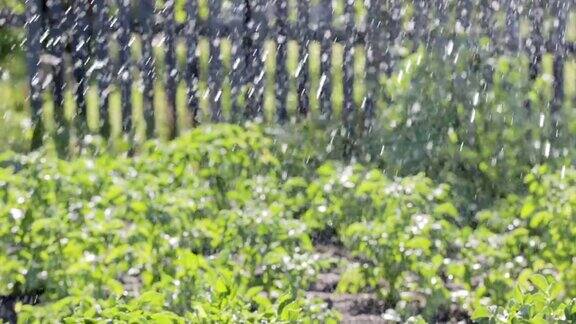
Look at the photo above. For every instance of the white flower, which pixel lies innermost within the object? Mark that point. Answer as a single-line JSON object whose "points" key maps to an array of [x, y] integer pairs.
{"points": [[16, 213]]}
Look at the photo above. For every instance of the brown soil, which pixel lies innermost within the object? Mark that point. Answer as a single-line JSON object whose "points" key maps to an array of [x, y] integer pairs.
{"points": [[362, 307]]}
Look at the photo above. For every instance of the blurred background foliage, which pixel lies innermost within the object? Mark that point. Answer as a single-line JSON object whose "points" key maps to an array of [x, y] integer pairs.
{"points": [[433, 117]]}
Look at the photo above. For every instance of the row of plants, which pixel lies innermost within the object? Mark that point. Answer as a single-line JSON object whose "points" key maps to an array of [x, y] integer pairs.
{"points": [[516, 262], [221, 225], [181, 225]]}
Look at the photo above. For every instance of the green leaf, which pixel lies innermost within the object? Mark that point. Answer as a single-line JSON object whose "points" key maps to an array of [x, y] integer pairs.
{"points": [[151, 298], [517, 295], [540, 219], [166, 318], [540, 282], [480, 312], [220, 287], [284, 301], [556, 289], [253, 291], [570, 311], [115, 287], [290, 312], [447, 209], [538, 319], [527, 209], [419, 242]]}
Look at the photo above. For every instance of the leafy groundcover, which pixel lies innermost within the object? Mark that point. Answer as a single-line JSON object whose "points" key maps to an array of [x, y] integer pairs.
{"points": [[227, 225]]}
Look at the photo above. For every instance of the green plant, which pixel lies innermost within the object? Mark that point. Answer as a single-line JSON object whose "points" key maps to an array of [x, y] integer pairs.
{"points": [[225, 224], [535, 301]]}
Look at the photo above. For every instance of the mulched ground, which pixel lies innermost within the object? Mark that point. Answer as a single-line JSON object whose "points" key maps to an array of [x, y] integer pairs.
{"points": [[363, 307]]}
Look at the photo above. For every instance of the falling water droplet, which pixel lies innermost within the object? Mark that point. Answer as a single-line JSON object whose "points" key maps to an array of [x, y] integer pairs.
{"points": [[449, 48], [547, 150], [321, 86], [542, 118]]}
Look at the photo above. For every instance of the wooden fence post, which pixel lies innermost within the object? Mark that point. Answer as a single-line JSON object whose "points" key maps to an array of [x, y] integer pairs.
{"points": [[125, 71], [464, 15], [253, 42], [34, 47], [191, 74], [348, 82], [303, 71], [534, 44], [325, 90], [393, 26], [560, 9], [512, 38], [56, 19], [171, 68], [281, 54], [215, 74], [80, 57], [373, 29], [238, 77], [536, 41], [102, 64], [249, 56], [487, 25], [420, 32], [147, 10]]}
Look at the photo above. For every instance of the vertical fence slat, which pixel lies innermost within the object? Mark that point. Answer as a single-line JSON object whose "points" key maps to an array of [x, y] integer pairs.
{"points": [[420, 23], [260, 59], [171, 68], [464, 15], [238, 78], [56, 19], [373, 30], [534, 43], [487, 22], [281, 54], [125, 71], [80, 56], [34, 48], [498, 30], [348, 82], [465, 8], [487, 26], [536, 40], [215, 74], [251, 54], [560, 9], [191, 74], [393, 28], [253, 42], [512, 37], [147, 9], [302, 71], [103, 74], [325, 90], [442, 33]]}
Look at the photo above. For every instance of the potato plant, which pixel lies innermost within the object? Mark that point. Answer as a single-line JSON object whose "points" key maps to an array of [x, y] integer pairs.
{"points": [[227, 224]]}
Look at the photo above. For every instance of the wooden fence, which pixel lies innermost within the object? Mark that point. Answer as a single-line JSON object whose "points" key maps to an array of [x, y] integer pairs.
{"points": [[75, 36]]}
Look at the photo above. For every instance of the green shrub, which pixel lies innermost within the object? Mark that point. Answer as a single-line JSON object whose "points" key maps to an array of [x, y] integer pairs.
{"points": [[535, 300], [221, 225]]}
